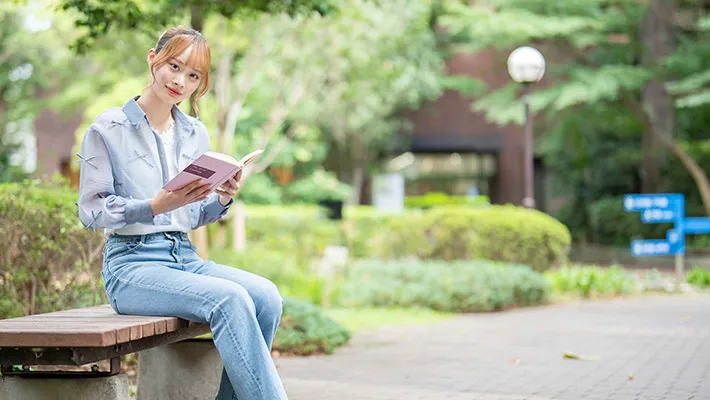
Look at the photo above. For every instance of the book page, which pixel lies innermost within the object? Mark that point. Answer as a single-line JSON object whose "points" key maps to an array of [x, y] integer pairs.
{"points": [[247, 158]]}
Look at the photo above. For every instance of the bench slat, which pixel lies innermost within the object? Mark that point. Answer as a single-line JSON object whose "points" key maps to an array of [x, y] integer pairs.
{"points": [[86, 327], [87, 337]]}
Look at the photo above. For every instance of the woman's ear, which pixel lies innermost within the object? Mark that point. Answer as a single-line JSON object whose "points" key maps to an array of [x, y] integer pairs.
{"points": [[151, 56]]}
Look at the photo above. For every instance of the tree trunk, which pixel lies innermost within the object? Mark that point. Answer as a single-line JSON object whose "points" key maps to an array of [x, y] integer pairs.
{"points": [[358, 178], [698, 174], [197, 20], [197, 16], [656, 33], [666, 139]]}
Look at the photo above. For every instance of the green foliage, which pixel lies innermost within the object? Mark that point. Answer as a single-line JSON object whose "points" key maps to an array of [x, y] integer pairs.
{"points": [[319, 185], [592, 281], [260, 189], [50, 262], [290, 274], [306, 330], [383, 60], [8, 171], [137, 15], [589, 123], [462, 286], [699, 277], [612, 225], [502, 233], [433, 199]]}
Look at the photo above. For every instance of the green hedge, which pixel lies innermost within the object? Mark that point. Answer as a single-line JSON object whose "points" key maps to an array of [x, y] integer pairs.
{"points": [[461, 286], [502, 233], [436, 199], [50, 261]]}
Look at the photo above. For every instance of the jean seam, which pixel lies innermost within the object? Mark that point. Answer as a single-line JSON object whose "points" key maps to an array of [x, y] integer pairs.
{"points": [[241, 355], [215, 304], [129, 251]]}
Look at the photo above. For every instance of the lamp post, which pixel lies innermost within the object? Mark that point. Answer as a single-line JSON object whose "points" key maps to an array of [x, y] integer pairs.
{"points": [[526, 65]]}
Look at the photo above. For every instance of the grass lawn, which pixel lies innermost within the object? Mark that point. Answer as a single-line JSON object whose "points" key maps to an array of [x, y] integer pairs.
{"points": [[365, 319]]}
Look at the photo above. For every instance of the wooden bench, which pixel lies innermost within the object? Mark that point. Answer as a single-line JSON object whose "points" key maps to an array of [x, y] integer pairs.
{"points": [[92, 336]]}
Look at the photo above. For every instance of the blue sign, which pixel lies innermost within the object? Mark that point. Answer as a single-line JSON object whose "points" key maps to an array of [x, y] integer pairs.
{"points": [[658, 215], [650, 248], [662, 208], [641, 202], [697, 225]]}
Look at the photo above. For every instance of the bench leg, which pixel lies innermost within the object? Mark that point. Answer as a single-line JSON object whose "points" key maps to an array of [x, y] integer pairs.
{"points": [[187, 370], [36, 388]]}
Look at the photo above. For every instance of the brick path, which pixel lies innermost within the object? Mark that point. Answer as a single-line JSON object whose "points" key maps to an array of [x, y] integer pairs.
{"points": [[649, 348]]}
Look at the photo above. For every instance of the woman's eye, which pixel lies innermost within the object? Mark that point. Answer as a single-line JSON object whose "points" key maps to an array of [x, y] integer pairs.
{"points": [[175, 67], [194, 76]]}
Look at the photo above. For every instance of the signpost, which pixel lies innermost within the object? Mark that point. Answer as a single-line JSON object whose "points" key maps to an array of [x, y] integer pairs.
{"points": [[660, 208]]}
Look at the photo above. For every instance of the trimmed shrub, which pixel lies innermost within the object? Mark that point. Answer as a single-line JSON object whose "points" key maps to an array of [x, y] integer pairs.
{"points": [[50, 261], [305, 330], [435, 199], [460, 286], [501, 233]]}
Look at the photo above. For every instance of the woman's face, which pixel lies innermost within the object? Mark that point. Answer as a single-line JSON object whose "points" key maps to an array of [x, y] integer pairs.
{"points": [[175, 81]]}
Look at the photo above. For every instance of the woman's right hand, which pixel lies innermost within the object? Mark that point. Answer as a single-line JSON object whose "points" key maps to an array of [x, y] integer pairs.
{"points": [[167, 200]]}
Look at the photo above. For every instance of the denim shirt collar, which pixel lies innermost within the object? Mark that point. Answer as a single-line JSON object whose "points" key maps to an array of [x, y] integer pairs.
{"points": [[184, 125]]}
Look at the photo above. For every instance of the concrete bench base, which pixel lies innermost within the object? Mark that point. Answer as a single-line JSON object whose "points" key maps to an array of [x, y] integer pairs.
{"points": [[35, 388], [187, 370]]}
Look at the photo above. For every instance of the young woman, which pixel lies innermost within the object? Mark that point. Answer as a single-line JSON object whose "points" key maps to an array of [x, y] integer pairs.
{"points": [[150, 267]]}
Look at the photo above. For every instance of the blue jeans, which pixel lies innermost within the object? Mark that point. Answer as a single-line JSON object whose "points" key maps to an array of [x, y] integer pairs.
{"points": [[160, 274]]}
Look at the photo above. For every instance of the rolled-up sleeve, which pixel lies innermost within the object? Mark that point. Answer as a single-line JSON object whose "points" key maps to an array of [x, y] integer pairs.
{"points": [[211, 210], [99, 206]]}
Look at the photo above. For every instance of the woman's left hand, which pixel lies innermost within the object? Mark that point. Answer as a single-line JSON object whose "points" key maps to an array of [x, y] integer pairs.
{"points": [[229, 189]]}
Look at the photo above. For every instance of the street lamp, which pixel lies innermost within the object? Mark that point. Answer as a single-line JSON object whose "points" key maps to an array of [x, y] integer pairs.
{"points": [[526, 65]]}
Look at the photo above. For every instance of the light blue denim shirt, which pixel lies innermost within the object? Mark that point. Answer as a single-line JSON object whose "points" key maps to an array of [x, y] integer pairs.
{"points": [[123, 167]]}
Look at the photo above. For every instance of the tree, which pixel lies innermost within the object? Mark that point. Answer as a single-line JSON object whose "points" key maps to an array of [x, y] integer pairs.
{"points": [[382, 58], [624, 52], [148, 16], [34, 63]]}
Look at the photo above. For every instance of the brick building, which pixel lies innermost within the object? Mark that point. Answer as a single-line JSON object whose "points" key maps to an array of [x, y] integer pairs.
{"points": [[456, 147]]}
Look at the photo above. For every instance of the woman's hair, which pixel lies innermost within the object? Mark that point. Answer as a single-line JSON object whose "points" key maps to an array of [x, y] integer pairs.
{"points": [[174, 42]]}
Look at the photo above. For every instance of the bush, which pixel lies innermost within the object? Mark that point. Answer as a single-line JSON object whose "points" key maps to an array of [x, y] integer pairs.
{"points": [[435, 199], [501, 233], [305, 330], [592, 281], [462, 286], [699, 277], [50, 261]]}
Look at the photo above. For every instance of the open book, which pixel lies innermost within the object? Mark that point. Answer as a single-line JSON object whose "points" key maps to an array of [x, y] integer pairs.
{"points": [[215, 168]]}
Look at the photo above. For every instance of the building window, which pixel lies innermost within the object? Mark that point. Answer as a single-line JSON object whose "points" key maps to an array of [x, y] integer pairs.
{"points": [[452, 173]]}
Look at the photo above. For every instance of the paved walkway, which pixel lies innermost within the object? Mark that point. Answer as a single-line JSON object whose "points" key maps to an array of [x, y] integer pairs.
{"points": [[648, 348]]}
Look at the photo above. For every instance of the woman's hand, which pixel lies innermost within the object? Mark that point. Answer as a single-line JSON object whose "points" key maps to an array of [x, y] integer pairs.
{"points": [[167, 200], [229, 189]]}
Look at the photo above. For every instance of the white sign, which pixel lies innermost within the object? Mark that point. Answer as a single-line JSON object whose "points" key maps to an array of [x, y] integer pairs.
{"points": [[388, 192]]}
